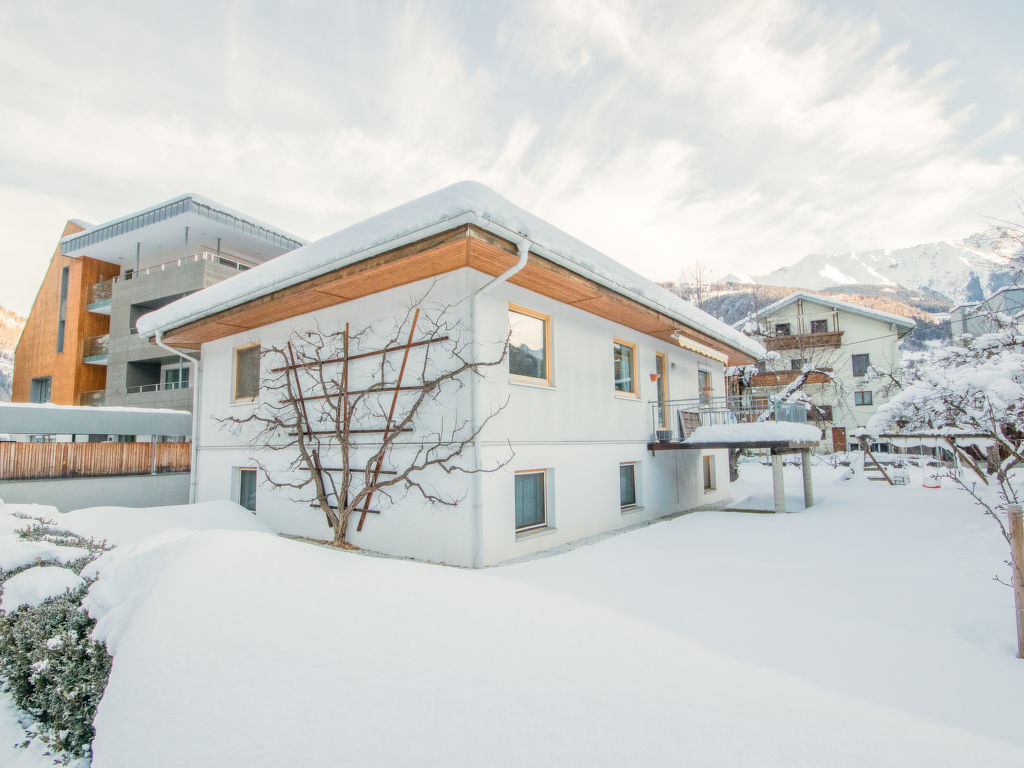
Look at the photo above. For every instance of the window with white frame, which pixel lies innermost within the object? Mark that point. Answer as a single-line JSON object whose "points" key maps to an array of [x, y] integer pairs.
{"points": [[246, 484], [531, 500], [628, 497]]}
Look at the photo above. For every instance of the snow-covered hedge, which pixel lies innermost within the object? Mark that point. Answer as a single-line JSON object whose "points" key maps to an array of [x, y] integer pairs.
{"points": [[49, 663]]}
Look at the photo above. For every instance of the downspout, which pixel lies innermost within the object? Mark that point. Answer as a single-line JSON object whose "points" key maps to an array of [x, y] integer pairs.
{"points": [[475, 409], [196, 381]]}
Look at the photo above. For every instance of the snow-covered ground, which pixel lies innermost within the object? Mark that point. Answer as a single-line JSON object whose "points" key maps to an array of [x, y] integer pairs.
{"points": [[866, 631]]}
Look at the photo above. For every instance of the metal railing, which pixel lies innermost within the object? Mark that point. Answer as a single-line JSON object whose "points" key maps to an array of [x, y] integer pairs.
{"points": [[681, 417], [101, 292], [216, 258], [158, 387], [96, 346]]}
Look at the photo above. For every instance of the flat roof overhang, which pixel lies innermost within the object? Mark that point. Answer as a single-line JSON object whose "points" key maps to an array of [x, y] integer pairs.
{"points": [[162, 227], [46, 419], [463, 246]]}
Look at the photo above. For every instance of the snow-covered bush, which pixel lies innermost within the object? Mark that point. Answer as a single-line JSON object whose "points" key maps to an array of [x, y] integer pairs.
{"points": [[49, 663]]}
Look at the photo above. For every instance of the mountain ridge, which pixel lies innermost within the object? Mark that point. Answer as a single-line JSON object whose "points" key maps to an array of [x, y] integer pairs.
{"points": [[11, 325], [962, 271]]}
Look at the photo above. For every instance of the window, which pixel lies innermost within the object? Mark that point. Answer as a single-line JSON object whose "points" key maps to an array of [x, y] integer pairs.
{"points": [[624, 358], [860, 364], [819, 326], [709, 472], [661, 368], [796, 364], [247, 488], [531, 500], [176, 378], [862, 398], [247, 372], [529, 345], [627, 485], [819, 413], [783, 329], [63, 311], [704, 387], [40, 390]]}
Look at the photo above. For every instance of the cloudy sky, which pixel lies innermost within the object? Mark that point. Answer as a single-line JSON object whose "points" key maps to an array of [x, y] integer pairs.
{"points": [[739, 134]]}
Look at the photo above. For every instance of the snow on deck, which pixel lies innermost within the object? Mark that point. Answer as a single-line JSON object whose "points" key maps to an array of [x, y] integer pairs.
{"points": [[767, 431], [463, 203]]}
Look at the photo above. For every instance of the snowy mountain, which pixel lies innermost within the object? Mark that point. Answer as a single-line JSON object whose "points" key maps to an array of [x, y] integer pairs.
{"points": [[961, 270], [10, 330]]}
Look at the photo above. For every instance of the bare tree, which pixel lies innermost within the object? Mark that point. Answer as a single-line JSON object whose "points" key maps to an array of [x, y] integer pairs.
{"points": [[696, 283], [361, 414]]}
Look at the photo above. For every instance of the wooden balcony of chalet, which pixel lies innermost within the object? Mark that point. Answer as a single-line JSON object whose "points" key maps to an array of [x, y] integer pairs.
{"points": [[784, 378], [803, 341]]}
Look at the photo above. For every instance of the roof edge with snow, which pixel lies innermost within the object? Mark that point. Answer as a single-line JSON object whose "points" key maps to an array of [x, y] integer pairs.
{"points": [[874, 314], [457, 205]]}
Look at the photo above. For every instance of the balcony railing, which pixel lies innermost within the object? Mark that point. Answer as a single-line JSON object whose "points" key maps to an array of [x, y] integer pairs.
{"points": [[803, 341], [100, 293], [96, 348], [215, 258], [95, 398], [158, 387], [784, 378], [682, 417]]}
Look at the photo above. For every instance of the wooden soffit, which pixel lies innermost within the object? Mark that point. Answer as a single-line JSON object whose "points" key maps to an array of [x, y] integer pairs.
{"points": [[464, 246]]}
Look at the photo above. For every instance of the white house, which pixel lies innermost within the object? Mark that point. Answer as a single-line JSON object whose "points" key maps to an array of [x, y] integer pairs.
{"points": [[598, 354], [851, 344]]}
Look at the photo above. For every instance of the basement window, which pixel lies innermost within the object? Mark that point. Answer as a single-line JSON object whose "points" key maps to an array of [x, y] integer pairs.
{"points": [[531, 500]]}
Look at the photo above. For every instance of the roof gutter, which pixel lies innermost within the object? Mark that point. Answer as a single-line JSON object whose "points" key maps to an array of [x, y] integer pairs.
{"points": [[196, 421]]}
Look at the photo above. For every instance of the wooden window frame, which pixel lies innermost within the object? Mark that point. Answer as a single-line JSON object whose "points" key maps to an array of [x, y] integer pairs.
{"points": [[635, 392], [234, 375], [861, 393], [705, 394], [547, 516], [519, 378], [662, 382], [636, 491], [853, 364], [707, 468]]}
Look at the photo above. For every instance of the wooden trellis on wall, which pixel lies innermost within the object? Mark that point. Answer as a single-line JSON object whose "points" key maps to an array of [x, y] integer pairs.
{"points": [[340, 400]]}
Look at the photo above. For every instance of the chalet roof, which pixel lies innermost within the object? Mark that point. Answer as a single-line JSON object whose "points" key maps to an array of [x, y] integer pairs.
{"points": [[459, 204], [903, 324]]}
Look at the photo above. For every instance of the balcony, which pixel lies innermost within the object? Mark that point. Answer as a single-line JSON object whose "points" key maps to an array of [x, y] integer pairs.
{"points": [[803, 341], [207, 256], [682, 417], [784, 378], [165, 386], [95, 398], [98, 300], [96, 349]]}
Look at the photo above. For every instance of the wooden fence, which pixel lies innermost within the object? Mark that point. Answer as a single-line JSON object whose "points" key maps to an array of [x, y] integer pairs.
{"points": [[25, 461]]}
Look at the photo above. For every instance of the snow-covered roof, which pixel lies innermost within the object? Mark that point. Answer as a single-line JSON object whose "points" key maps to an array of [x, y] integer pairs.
{"points": [[467, 202], [81, 223], [827, 301]]}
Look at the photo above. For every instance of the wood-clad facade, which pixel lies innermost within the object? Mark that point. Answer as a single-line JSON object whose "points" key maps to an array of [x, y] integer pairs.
{"points": [[464, 246], [37, 354]]}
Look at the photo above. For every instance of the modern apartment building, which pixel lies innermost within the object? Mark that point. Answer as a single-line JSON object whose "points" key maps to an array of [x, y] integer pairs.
{"points": [[1001, 308], [80, 345]]}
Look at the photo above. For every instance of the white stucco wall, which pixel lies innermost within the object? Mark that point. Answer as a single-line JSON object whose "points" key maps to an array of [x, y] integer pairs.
{"points": [[579, 429]]}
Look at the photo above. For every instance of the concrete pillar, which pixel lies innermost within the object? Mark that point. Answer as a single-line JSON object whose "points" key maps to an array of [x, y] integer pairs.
{"points": [[778, 483], [805, 465]]}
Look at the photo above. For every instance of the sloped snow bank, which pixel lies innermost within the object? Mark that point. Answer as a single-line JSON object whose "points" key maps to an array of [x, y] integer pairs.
{"points": [[34, 585], [245, 649], [127, 525]]}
